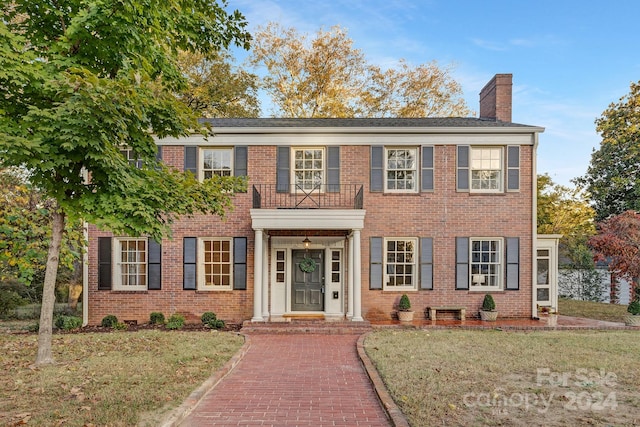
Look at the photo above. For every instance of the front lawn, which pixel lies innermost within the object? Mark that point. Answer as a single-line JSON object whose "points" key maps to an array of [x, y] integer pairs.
{"points": [[107, 379], [544, 378], [592, 310]]}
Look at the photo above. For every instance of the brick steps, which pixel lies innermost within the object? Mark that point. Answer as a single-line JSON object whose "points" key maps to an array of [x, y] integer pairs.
{"points": [[306, 327]]}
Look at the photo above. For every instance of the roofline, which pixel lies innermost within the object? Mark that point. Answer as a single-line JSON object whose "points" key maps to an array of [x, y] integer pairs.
{"points": [[376, 130]]}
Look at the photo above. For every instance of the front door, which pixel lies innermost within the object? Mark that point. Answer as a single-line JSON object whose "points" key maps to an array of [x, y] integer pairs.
{"points": [[307, 289]]}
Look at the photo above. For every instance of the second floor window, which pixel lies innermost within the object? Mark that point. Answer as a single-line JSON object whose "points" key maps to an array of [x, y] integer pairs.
{"points": [[486, 169], [401, 169], [308, 167], [216, 161]]}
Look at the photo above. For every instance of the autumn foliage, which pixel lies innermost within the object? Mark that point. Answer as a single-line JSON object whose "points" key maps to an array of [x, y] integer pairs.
{"points": [[618, 242]]}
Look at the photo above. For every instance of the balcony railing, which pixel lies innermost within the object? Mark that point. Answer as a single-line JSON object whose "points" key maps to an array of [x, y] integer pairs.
{"points": [[321, 196]]}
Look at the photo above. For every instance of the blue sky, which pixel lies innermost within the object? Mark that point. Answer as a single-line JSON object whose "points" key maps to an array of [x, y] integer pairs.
{"points": [[569, 59]]}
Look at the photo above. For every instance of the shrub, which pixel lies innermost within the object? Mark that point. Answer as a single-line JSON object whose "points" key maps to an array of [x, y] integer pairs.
{"points": [[34, 327], [121, 326], [176, 321], [109, 321], [9, 301], [404, 304], [156, 318], [210, 319], [488, 304], [634, 307], [68, 322]]}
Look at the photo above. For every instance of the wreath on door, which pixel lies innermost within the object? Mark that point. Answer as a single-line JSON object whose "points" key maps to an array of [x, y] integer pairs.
{"points": [[308, 265]]}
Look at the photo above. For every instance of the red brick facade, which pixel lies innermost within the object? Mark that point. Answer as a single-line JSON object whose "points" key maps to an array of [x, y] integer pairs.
{"points": [[441, 212]]}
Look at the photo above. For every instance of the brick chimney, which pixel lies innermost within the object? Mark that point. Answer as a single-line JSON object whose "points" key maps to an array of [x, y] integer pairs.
{"points": [[495, 98]]}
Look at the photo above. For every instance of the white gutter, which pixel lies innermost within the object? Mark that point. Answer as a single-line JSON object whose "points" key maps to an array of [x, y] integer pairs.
{"points": [[85, 275], [534, 226]]}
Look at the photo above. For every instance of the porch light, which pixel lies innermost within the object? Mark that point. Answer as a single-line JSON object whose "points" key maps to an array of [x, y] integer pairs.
{"points": [[306, 242]]}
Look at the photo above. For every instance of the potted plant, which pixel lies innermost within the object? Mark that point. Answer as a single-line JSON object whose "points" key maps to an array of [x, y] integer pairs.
{"points": [[633, 318], [488, 311], [405, 314]]}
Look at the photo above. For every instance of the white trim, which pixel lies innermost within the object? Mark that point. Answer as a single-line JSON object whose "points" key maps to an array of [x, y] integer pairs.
{"points": [[116, 259], [201, 159], [416, 170], [303, 137], [307, 219], [503, 168], [500, 263], [292, 168], [201, 286], [415, 270]]}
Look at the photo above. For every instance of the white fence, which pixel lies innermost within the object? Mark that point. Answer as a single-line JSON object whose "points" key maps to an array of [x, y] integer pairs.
{"points": [[591, 285]]}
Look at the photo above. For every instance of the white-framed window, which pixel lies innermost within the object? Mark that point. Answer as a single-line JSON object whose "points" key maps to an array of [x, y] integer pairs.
{"points": [[401, 169], [216, 259], [400, 269], [308, 168], [130, 261], [215, 161], [486, 264], [131, 157], [486, 169]]}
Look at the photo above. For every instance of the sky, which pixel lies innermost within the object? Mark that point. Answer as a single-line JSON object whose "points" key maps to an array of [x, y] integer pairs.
{"points": [[569, 59]]}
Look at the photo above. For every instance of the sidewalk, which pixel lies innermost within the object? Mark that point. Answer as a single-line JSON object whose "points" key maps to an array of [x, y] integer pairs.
{"points": [[293, 380]]}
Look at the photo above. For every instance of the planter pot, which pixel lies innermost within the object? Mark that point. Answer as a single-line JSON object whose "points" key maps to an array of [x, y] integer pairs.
{"points": [[405, 316], [632, 320], [489, 316]]}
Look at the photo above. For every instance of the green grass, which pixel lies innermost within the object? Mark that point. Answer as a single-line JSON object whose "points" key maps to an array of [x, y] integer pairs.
{"points": [[107, 379], [455, 377], [592, 310]]}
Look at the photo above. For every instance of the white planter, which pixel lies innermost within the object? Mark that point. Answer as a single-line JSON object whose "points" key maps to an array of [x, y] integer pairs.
{"points": [[489, 316], [405, 316]]}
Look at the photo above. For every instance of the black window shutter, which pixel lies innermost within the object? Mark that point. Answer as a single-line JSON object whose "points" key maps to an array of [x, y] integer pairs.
{"points": [[513, 168], [462, 263], [513, 264], [191, 160], [375, 256], [159, 153], [426, 263], [282, 169], [240, 160], [377, 168], [463, 168], [240, 263], [427, 169], [333, 169], [155, 265], [104, 263], [189, 263]]}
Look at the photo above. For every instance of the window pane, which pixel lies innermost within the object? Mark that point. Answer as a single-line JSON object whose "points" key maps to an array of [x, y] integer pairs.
{"points": [[217, 263]]}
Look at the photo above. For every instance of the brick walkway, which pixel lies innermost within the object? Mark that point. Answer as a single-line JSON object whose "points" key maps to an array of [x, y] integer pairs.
{"points": [[293, 380]]}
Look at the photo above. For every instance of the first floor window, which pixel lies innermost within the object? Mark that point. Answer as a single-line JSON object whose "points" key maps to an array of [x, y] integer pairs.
{"points": [[486, 264], [486, 169], [217, 264], [131, 262], [401, 169], [308, 168], [400, 263], [216, 162]]}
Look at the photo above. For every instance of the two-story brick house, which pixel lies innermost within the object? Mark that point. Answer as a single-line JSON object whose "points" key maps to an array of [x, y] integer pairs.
{"points": [[341, 217]]}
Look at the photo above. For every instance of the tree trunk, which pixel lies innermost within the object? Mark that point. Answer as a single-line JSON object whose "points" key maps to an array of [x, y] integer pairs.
{"points": [[45, 356]]}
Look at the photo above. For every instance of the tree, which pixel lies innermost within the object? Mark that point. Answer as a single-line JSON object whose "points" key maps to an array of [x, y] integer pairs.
{"points": [[612, 178], [25, 231], [618, 242], [81, 80], [566, 211], [217, 88], [327, 77]]}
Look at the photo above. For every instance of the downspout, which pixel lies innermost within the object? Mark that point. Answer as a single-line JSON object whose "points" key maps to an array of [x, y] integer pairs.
{"points": [[85, 275], [534, 225]]}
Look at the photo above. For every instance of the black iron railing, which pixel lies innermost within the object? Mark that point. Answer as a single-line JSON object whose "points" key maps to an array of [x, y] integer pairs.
{"points": [[320, 196]]}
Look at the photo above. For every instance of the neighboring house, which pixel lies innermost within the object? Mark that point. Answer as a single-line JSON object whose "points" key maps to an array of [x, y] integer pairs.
{"points": [[341, 217]]}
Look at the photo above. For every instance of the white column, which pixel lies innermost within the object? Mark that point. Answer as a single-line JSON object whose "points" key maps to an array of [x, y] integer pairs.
{"points": [[257, 277], [265, 279], [350, 279], [357, 286]]}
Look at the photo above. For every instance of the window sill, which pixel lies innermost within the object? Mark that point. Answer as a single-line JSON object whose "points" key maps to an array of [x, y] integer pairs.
{"points": [[205, 291], [399, 290]]}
